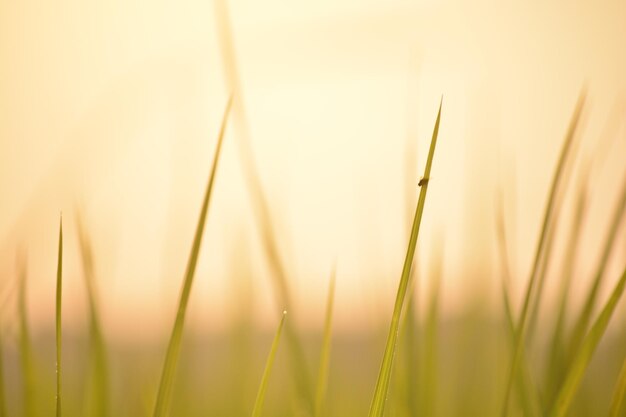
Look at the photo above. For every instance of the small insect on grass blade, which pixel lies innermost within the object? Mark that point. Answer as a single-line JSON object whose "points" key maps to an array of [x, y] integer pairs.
{"points": [[322, 379], [260, 398], [619, 393], [587, 348], [382, 385], [59, 298], [520, 333], [163, 399]]}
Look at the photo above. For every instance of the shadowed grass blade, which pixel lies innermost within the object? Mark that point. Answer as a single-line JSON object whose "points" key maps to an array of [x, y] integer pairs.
{"points": [[382, 385], [521, 327], [587, 348], [59, 298], [98, 400], [260, 398], [163, 399], [620, 392], [322, 379], [590, 302]]}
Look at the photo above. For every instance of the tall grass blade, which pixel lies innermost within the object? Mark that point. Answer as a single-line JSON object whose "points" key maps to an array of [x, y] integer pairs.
{"points": [[163, 399], [59, 298], [322, 378], [619, 393], [299, 367], [590, 302], [98, 401], [587, 348], [25, 346], [520, 337], [260, 398], [382, 385]]}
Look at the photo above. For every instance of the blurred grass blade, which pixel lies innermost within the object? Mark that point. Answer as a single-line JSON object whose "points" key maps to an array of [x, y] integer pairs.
{"points": [[555, 366], [528, 396], [322, 378], [583, 356], [520, 332], [59, 298], [3, 408], [382, 385], [620, 392], [299, 367], [260, 398], [585, 316], [98, 400], [25, 346], [163, 399]]}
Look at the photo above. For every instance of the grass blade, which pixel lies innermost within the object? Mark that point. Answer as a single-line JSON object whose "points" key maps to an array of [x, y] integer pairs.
{"points": [[163, 399], [3, 408], [584, 354], [59, 298], [521, 328], [620, 392], [299, 367], [322, 378], [98, 401], [260, 398], [590, 302], [382, 385]]}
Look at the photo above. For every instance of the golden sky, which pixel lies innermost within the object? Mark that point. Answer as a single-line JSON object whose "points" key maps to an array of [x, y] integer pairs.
{"points": [[113, 107]]}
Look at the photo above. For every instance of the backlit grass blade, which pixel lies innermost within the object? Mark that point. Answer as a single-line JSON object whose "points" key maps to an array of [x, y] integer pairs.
{"points": [[98, 401], [260, 398], [59, 298], [619, 393], [25, 346], [299, 367], [382, 385], [520, 332], [322, 378], [163, 399], [609, 242], [583, 356]]}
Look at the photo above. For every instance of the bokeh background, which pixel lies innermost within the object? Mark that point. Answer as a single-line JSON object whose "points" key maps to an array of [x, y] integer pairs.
{"points": [[110, 111]]}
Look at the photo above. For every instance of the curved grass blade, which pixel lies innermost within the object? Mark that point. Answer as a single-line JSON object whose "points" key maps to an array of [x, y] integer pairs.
{"points": [[585, 316], [382, 385], [260, 398], [98, 401], [520, 337], [584, 354], [25, 346], [620, 392], [322, 379], [59, 298], [299, 367], [163, 399]]}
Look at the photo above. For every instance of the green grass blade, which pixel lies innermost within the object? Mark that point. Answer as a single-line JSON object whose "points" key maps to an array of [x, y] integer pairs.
{"points": [[619, 393], [382, 385], [25, 346], [585, 316], [59, 298], [98, 401], [521, 327], [278, 270], [163, 399], [260, 398], [583, 356], [322, 378]]}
